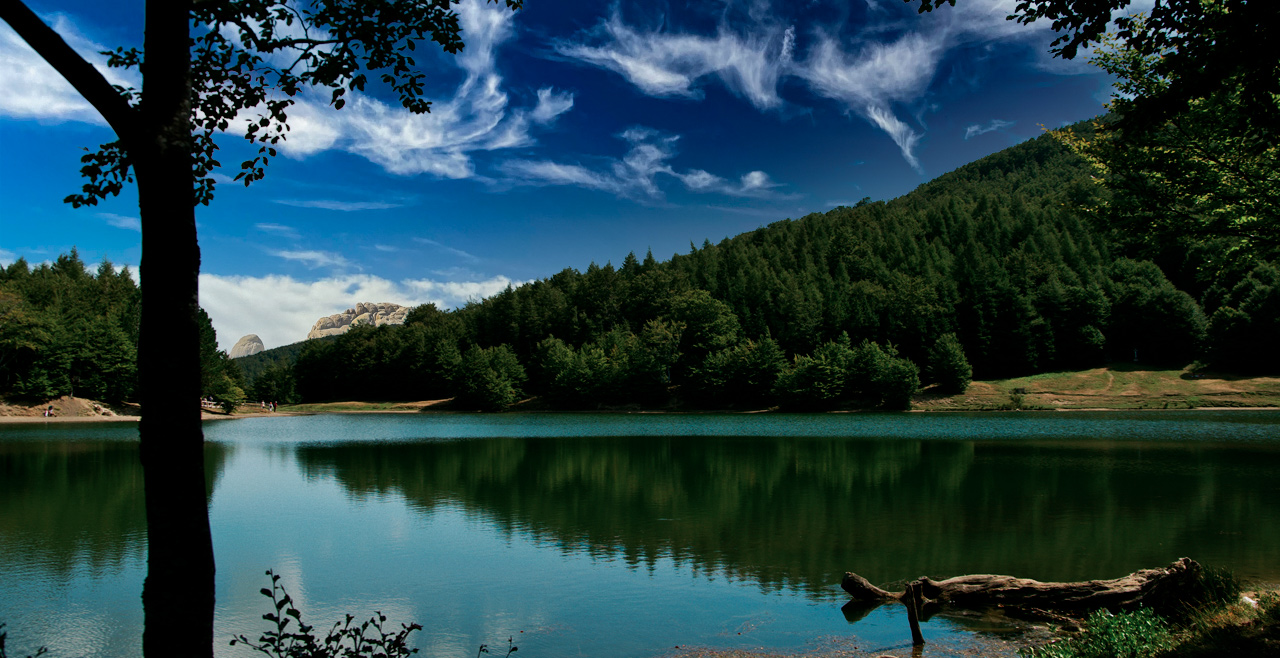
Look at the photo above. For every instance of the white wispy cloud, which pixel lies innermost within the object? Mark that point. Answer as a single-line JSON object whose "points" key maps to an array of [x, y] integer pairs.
{"points": [[663, 63], [34, 90], [444, 247], [977, 129], [122, 221], [867, 74], [869, 81], [281, 309], [279, 229], [312, 258], [7, 257], [635, 174], [478, 117], [551, 105], [341, 206]]}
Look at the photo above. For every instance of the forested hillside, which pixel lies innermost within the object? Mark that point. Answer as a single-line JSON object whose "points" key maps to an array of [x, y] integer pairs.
{"points": [[993, 270]]}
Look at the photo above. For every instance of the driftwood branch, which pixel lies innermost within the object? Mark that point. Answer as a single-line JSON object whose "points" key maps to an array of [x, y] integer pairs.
{"points": [[1154, 588]]}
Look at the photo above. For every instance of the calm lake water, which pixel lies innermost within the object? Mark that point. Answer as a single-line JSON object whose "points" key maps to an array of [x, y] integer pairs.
{"points": [[626, 535]]}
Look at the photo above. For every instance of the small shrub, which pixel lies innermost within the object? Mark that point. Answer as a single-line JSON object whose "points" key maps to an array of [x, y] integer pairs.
{"points": [[511, 648], [344, 639], [1136, 634], [1269, 608], [948, 366], [1217, 587]]}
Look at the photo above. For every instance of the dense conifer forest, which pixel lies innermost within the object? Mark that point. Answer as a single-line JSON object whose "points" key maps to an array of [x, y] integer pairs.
{"points": [[67, 330], [997, 269]]}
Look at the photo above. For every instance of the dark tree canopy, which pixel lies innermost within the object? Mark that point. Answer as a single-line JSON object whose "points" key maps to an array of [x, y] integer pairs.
{"points": [[202, 63], [1205, 46]]}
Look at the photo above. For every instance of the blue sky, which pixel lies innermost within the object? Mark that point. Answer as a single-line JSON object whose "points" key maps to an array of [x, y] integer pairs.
{"points": [[565, 133]]}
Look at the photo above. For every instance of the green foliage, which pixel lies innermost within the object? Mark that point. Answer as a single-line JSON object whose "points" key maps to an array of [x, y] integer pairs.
{"points": [[1198, 173], [741, 376], [580, 378], [344, 639], [1194, 48], [836, 372], [947, 366], [220, 377], [489, 379], [413, 362], [225, 393], [659, 351], [812, 383], [104, 364], [1242, 331], [66, 331], [286, 355], [1151, 321], [1136, 634], [709, 325], [275, 384], [896, 383]]}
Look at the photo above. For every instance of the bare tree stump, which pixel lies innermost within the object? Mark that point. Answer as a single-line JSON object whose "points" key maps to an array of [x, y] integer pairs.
{"points": [[1154, 588], [913, 612]]}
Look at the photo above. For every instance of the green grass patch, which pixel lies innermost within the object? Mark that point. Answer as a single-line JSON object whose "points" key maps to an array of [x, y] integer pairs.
{"points": [[1138, 634], [1211, 620]]}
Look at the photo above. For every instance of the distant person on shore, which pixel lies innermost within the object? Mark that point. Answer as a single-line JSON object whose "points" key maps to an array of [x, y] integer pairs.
{"points": [[48, 413]]}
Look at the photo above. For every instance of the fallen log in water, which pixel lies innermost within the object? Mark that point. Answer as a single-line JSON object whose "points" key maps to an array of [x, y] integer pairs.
{"points": [[1152, 588]]}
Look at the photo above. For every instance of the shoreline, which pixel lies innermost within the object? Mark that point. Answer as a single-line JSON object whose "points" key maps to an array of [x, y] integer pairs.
{"points": [[337, 410], [1118, 387]]}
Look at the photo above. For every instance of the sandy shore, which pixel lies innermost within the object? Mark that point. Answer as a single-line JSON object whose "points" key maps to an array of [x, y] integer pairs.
{"points": [[35, 420]]}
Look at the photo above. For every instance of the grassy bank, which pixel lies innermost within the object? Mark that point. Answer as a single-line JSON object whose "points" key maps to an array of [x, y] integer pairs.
{"points": [[366, 407], [1246, 626], [1119, 386]]}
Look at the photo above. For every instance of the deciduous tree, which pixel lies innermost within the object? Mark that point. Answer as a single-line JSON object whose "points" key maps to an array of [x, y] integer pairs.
{"points": [[203, 63], [1190, 146]]}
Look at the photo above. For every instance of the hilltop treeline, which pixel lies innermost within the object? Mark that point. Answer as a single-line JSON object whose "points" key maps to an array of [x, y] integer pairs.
{"points": [[993, 270], [66, 330]]}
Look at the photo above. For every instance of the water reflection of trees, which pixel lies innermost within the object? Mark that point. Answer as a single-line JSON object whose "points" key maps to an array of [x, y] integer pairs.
{"points": [[800, 512], [64, 503]]}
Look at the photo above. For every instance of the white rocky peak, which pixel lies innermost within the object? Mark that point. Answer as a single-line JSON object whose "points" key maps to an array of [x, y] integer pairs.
{"points": [[363, 313]]}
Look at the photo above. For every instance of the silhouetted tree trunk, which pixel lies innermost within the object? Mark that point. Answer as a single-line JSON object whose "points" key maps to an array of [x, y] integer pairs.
{"points": [[178, 596]]}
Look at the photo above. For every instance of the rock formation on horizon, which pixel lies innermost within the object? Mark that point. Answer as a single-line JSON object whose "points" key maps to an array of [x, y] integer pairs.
{"points": [[247, 346], [364, 313]]}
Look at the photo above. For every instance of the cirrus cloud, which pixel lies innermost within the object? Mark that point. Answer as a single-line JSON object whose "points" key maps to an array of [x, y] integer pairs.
{"points": [[868, 73], [635, 174]]}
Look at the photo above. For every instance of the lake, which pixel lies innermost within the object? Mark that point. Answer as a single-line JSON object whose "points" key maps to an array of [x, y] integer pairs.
{"points": [[629, 534]]}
